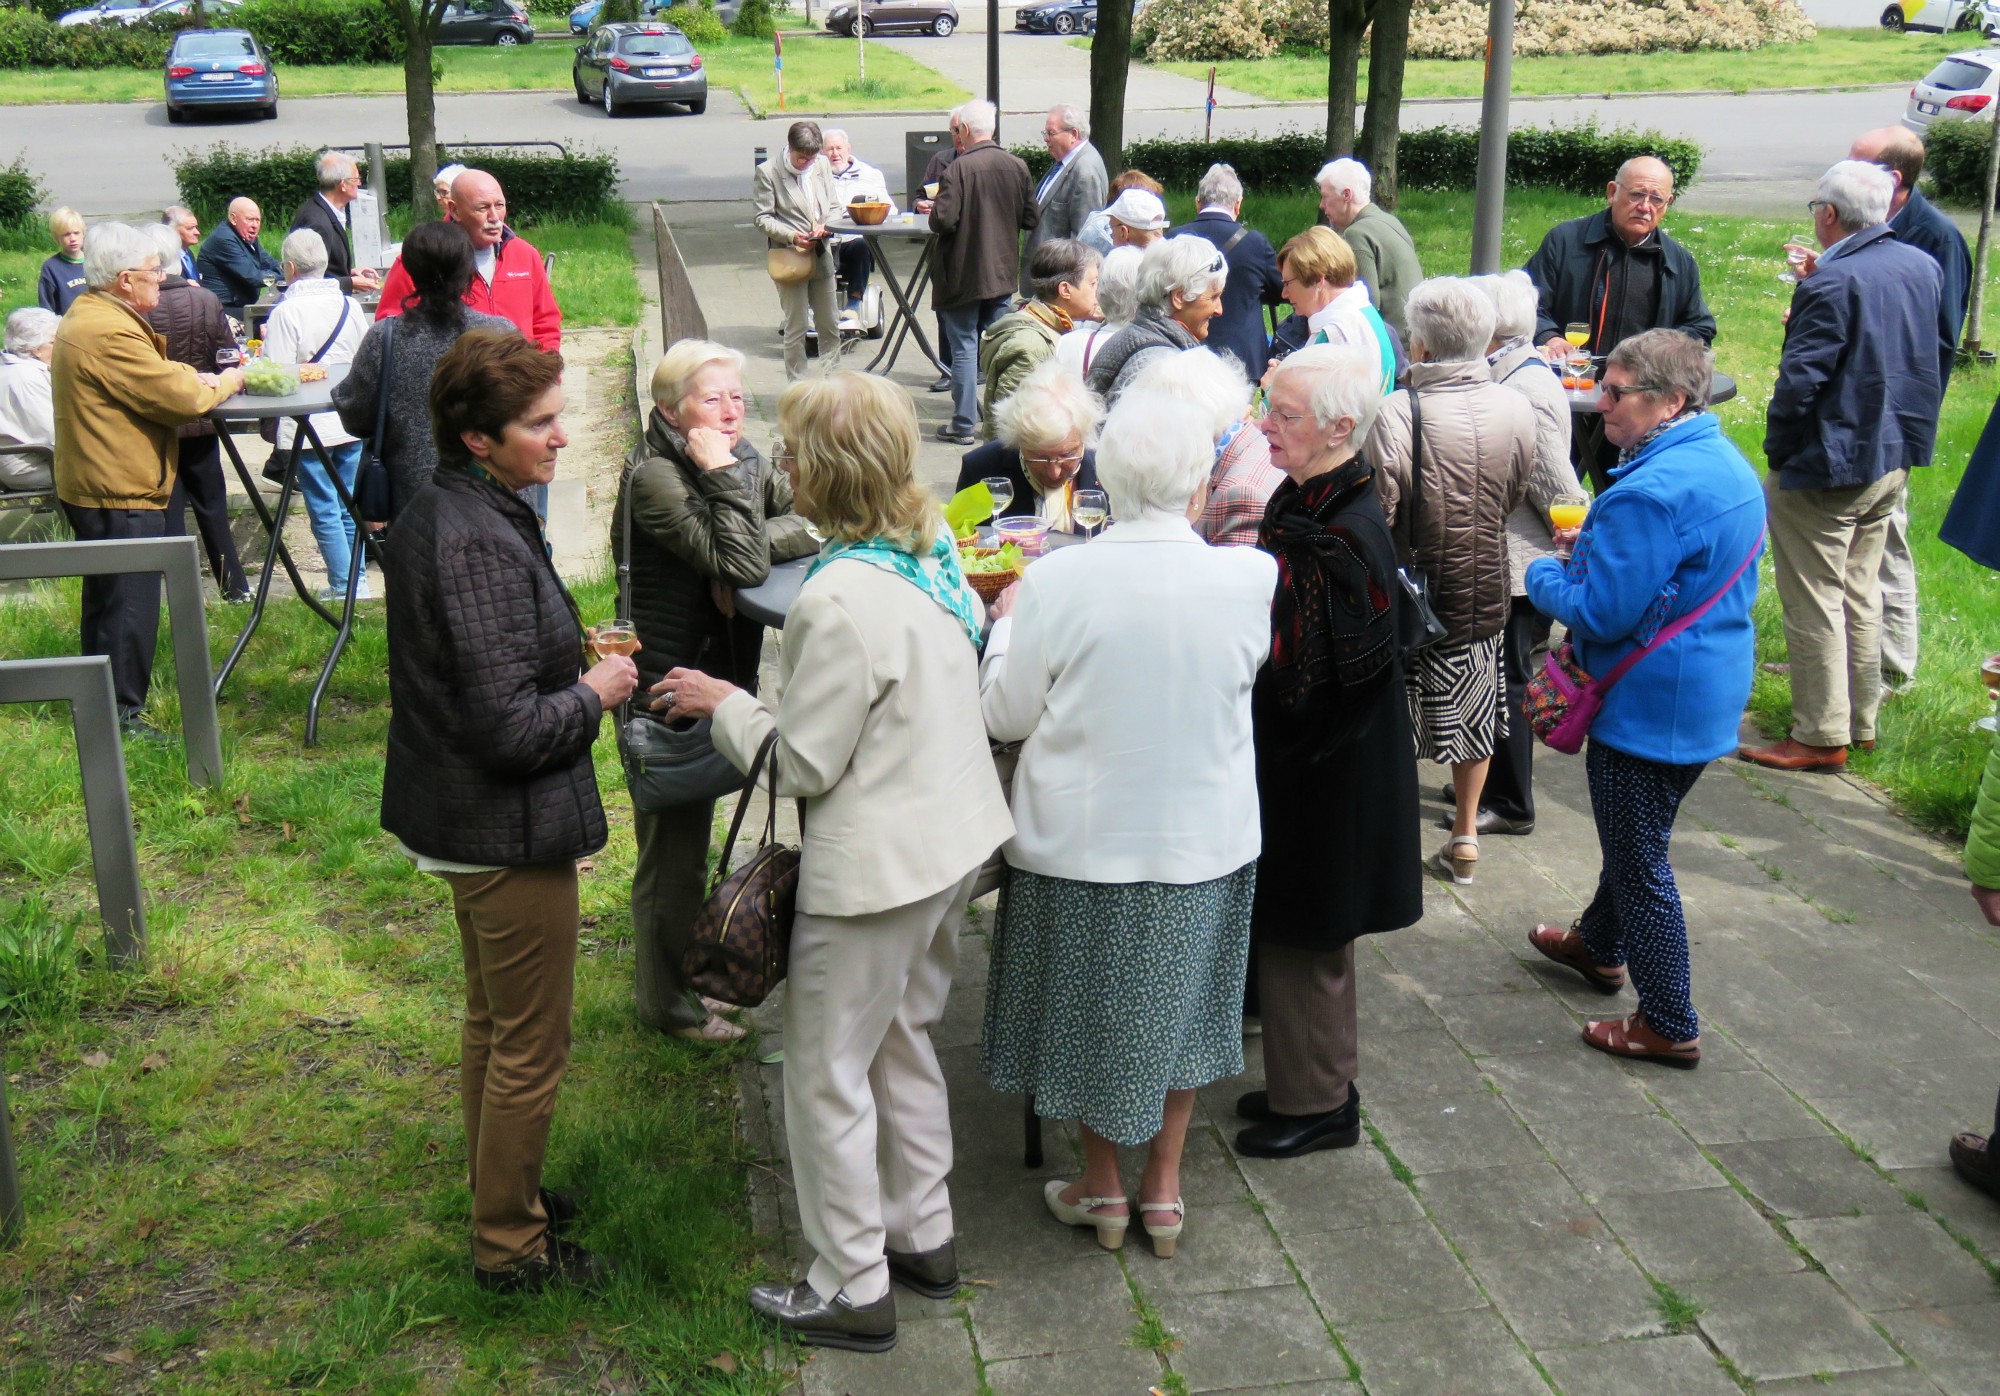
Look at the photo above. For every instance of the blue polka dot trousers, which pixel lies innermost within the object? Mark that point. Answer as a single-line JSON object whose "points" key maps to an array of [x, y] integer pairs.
{"points": [[1635, 919]]}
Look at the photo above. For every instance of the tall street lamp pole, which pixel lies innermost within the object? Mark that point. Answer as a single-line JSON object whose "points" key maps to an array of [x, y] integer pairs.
{"points": [[1489, 203]]}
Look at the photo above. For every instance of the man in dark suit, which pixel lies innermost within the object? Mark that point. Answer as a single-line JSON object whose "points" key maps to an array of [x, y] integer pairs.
{"points": [[1253, 282], [1074, 188], [233, 263], [330, 214]]}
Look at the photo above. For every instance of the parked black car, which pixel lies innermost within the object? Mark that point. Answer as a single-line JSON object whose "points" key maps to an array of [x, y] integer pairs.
{"points": [[503, 22], [847, 17], [1058, 17], [634, 65]]}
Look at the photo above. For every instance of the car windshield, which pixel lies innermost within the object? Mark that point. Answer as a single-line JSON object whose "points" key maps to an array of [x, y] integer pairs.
{"points": [[214, 46], [655, 46], [1958, 75]]}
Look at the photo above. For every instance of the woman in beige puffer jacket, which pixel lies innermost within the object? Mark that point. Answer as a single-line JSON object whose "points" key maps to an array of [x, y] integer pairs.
{"points": [[1477, 449]]}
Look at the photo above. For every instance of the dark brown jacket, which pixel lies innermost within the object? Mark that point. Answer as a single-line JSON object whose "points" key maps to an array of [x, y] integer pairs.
{"points": [[1479, 446], [986, 198], [191, 320]]}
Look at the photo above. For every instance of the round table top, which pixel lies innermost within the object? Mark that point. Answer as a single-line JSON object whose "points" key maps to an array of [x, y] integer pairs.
{"points": [[309, 399], [918, 226], [1586, 400], [768, 601]]}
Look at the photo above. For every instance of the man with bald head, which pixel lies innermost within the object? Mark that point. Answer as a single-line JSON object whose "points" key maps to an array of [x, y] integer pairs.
{"points": [[508, 278], [233, 264], [1618, 272]]}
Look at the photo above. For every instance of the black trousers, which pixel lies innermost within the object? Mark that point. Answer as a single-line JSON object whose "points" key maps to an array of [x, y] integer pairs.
{"points": [[853, 264], [121, 614], [1510, 780], [200, 484]]}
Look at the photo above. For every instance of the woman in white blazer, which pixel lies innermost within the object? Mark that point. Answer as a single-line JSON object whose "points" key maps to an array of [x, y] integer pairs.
{"points": [[1125, 669], [879, 732]]}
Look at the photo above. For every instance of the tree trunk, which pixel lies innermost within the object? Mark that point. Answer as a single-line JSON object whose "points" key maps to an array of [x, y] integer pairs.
{"points": [[420, 105], [1347, 20], [1381, 124], [1110, 55]]}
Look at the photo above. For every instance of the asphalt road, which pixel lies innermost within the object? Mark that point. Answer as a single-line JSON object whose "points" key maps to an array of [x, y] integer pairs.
{"points": [[1765, 152]]}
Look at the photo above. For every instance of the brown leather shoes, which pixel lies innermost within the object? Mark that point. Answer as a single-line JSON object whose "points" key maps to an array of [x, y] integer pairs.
{"points": [[1790, 755]]}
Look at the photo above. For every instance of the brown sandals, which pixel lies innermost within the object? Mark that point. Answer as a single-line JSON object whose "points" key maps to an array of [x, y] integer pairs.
{"points": [[1566, 948], [1633, 1039]]}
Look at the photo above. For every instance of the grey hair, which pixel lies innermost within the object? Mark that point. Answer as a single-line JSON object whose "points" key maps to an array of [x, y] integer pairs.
{"points": [[1219, 186], [1051, 405], [1071, 118], [172, 215], [980, 118], [1185, 266], [29, 328], [304, 250], [1118, 285], [1859, 192], [110, 249], [1341, 381], [1346, 173], [1449, 319], [167, 242], [833, 133], [334, 168], [1669, 361], [1202, 378], [1056, 261], [1156, 452], [1516, 303]]}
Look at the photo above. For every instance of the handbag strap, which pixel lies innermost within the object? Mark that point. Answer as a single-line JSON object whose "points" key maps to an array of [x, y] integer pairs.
{"points": [[1618, 670], [1416, 459], [382, 383], [764, 752], [338, 326]]}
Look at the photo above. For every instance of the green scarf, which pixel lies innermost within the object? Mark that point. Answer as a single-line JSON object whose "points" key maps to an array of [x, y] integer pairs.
{"points": [[943, 580]]}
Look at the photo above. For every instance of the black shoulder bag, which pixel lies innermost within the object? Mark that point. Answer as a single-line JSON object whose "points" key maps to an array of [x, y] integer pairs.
{"points": [[371, 475], [1417, 625]]}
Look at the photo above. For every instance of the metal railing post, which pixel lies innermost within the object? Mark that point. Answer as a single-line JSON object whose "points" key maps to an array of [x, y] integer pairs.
{"points": [[12, 1218]]}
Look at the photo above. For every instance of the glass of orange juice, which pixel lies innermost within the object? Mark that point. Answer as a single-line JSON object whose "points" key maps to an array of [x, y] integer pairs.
{"points": [[1568, 511]]}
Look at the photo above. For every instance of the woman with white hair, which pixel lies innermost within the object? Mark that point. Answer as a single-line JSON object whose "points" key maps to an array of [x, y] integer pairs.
{"points": [[1124, 668], [1508, 805], [1046, 435], [701, 513], [1117, 303], [1336, 771], [1180, 291], [315, 322], [1452, 453], [27, 405], [1242, 478]]}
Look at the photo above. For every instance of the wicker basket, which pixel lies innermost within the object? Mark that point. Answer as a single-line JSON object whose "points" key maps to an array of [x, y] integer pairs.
{"points": [[989, 584]]}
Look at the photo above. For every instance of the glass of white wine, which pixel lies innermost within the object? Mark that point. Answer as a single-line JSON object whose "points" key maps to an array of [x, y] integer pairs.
{"points": [[614, 637], [1090, 509], [1797, 248], [1002, 490], [1989, 674]]}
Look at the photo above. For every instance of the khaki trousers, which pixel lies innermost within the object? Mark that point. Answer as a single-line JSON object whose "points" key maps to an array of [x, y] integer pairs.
{"points": [[793, 298], [866, 1118], [1309, 1027], [669, 884], [1826, 547], [1900, 638], [517, 928]]}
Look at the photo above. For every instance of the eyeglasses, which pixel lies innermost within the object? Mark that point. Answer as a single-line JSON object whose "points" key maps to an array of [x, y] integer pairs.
{"points": [[1618, 392], [1646, 199], [781, 454], [1053, 462], [1286, 416], [150, 273], [1815, 205]]}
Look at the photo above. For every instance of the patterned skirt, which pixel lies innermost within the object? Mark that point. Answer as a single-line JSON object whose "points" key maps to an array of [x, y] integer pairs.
{"points": [[1458, 707], [1102, 997]]}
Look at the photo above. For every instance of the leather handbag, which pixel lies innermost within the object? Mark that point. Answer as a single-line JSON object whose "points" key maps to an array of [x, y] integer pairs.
{"points": [[1417, 625], [1563, 700], [666, 767], [742, 938], [371, 474], [788, 266]]}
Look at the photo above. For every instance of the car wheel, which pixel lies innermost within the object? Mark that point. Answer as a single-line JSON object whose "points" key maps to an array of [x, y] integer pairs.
{"points": [[176, 115], [611, 107], [697, 108], [506, 38], [1892, 19], [1063, 24], [861, 28], [943, 25], [271, 112], [581, 95], [1967, 21]]}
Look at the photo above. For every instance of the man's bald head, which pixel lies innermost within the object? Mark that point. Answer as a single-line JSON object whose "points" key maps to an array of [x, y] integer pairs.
{"points": [[1639, 197], [480, 207], [1899, 151], [246, 218]]}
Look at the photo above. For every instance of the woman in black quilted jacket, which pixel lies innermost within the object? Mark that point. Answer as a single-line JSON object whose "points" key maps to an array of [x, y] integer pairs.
{"points": [[489, 782]]}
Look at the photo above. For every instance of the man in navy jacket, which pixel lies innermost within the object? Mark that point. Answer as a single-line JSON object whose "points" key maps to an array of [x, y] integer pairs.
{"points": [[233, 264], [1854, 410], [1253, 270]]}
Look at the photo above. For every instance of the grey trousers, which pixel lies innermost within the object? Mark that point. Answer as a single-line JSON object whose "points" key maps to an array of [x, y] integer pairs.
{"points": [[1310, 1051], [669, 884], [793, 299], [1899, 596]]}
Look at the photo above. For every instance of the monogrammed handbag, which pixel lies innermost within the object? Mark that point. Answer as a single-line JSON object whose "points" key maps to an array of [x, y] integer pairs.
{"points": [[743, 936]]}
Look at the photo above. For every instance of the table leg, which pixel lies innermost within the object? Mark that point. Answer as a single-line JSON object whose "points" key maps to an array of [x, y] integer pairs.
{"points": [[905, 322], [274, 524], [356, 570], [920, 281]]}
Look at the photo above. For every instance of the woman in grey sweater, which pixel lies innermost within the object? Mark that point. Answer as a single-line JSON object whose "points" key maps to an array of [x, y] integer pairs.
{"points": [[438, 257]]}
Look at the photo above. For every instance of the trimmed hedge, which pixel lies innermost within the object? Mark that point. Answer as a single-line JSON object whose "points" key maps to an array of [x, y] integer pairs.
{"points": [[30, 40], [698, 22], [1955, 156], [295, 31], [20, 192], [539, 185], [1580, 159], [754, 20]]}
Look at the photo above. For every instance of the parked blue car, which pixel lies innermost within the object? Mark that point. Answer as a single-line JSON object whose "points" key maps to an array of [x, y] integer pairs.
{"points": [[220, 70]]}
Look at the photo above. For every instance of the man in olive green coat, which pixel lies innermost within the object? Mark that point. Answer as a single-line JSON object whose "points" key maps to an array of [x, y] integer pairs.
{"points": [[1977, 1158], [1385, 257]]}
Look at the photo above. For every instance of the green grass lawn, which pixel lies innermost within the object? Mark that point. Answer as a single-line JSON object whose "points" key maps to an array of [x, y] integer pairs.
{"points": [[1837, 58], [819, 76], [1925, 757]]}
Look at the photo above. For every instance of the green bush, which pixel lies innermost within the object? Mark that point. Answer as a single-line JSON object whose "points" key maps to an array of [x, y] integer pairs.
{"points": [[539, 184], [617, 12], [698, 22], [754, 20], [322, 31], [20, 192], [1580, 159], [29, 40], [1955, 155]]}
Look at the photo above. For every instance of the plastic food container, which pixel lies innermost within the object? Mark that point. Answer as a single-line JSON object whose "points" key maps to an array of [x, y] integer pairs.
{"points": [[1024, 531]]}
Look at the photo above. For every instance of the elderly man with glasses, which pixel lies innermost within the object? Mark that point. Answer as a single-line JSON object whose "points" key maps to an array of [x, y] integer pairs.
{"points": [[1618, 272]]}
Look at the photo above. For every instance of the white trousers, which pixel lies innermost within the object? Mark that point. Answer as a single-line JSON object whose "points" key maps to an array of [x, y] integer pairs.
{"points": [[1899, 596], [865, 1113]]}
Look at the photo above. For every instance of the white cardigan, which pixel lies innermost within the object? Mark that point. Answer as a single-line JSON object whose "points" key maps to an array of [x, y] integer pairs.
{"points": [[1126, 669], [879, 732]]}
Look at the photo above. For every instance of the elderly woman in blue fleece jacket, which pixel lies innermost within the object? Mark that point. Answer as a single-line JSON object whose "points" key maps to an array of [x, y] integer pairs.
{"points": [[1678, 533]]}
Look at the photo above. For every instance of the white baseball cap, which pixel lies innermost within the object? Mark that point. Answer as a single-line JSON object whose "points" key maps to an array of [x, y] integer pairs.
{"points": [[1136, 208]]}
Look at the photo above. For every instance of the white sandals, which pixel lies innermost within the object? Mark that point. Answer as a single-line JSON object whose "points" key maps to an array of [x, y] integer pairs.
{"points": [[1459, 859], [1110, 1230]]}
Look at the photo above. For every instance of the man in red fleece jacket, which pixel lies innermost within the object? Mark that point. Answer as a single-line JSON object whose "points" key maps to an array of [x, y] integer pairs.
{"points": [[509, 282]]}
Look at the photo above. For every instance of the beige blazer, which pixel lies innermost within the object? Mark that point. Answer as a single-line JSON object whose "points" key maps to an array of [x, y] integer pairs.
{"points": [[880, 733], [790, 202]]}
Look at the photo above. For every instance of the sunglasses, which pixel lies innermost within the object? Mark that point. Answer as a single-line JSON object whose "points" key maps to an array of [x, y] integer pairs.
{"points": [[1618, 392]]}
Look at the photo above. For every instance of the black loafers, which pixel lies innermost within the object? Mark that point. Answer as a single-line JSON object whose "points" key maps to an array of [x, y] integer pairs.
{"points": [[1254, 1106], [828, 1323], [561, 1262], [933, 1274], [1288, 1136]]}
